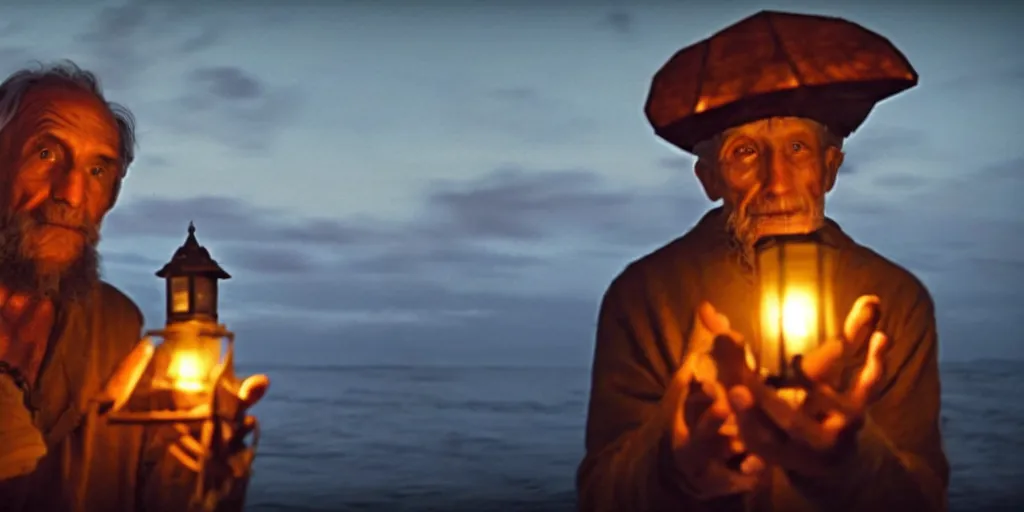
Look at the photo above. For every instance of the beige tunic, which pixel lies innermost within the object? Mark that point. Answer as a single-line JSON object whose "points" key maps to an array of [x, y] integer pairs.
{"points": [[92, 465]]}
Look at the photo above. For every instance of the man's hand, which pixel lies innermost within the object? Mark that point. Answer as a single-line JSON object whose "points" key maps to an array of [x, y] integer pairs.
{"points": [[25, 325], [233, 425], [704, 431], [809, 439]]}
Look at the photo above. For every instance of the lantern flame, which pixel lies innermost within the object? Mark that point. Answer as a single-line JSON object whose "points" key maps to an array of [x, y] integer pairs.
{"points": [[797, 318], [188, 372]]}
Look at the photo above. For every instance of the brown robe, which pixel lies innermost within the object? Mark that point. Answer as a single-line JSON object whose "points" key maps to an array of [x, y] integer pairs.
{"points": [[129, 467], [644, 322]]}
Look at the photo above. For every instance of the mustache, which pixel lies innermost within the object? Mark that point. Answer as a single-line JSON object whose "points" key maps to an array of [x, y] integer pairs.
{"points": [[764, 204], [59, 214]]}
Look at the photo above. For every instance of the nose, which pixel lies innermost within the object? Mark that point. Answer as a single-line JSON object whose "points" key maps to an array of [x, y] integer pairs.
{"points": [[778, 175], [69, 187]]}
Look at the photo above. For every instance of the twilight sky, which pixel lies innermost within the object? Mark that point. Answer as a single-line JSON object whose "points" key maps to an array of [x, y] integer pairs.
{"points": [[459, 181]]}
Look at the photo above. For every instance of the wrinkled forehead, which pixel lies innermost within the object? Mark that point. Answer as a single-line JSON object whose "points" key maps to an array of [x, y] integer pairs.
{"points": [[56, 104], [775, 127]]}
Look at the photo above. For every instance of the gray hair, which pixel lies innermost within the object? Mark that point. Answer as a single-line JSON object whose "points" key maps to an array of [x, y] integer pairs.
{"points": [[67, 72]]}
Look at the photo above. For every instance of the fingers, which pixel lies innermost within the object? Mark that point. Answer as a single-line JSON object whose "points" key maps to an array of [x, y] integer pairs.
{"points": [[871, 374], [817, 363], [719, 480], [730, 358], [752, 465], [695, 403], [796, 443], [705, 372], [860, 323], [707, 323], [714, 321], [862, 320], [252, 389], [706, 444]]}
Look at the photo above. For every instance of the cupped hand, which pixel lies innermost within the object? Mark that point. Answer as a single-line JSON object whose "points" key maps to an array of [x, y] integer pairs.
{"points": [[704, 430], [816, 435]]}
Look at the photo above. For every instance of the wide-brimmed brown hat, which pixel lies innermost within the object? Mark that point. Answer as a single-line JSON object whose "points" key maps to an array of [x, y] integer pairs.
{"points": [[775, 64]]}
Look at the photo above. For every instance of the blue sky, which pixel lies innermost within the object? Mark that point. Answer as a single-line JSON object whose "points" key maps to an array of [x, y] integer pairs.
{"points": [[455, 182]]}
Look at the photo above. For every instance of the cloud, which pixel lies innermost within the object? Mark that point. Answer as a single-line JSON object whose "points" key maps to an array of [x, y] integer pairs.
{"points": [[509, 255], [618, 21], [204, 38], [224, 103], [151, 161], [869, 148], [677, 163], [232, 106], [521, 113], [124, 42], [227, 82], [516, 204], [496, 225], [1009, 168], [1005, 75], [230, 220], [15, 57], [113, 38], [509, 265], [272, 259]]}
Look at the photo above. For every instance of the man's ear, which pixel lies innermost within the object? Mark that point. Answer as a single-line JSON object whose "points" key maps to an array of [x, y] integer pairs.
{"points": [[833, 161], [707, 173]]}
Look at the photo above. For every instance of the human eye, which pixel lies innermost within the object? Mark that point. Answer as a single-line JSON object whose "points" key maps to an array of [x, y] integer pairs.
{"points": [[46, 154], [98, 171], [744, 150]]}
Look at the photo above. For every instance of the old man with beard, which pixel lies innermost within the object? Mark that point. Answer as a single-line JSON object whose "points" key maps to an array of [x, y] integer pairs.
{"points": [[64, 151], [665, 432]]}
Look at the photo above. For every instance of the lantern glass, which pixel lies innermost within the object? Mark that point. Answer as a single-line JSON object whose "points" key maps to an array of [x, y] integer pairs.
{"points": [[796, 311], [205, 296], [179, 299], [186, 365]]}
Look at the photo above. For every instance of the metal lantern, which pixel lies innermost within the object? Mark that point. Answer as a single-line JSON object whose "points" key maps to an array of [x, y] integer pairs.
{"points": [[195, 354], [796, 286], [191, 277], [183, 374]]}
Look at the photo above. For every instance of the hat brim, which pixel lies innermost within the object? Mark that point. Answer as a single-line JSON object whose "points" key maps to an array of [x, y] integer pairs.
{"points": [[842, 107]]}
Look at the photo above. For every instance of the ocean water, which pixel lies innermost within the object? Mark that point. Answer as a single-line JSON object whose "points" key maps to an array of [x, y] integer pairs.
{"points": [[488, 438]]}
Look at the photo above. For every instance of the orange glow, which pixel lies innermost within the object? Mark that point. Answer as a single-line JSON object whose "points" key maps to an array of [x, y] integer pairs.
{"points": [[795, 397], [798, 319], [188, 371]]}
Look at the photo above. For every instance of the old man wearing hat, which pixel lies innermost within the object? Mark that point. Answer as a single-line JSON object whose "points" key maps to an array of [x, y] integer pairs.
{"points": [[765, 105]]}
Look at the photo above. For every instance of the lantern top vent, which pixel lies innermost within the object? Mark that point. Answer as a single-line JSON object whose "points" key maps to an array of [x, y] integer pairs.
{"points": [[192, 259]]}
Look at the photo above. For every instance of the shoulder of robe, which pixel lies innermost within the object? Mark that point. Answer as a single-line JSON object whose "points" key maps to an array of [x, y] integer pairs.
{"points": [[671, 261], [122, 319], [904, 296], [890, 277]]}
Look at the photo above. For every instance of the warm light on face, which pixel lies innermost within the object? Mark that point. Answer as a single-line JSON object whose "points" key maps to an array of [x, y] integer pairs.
{"points": [[188, 372]]}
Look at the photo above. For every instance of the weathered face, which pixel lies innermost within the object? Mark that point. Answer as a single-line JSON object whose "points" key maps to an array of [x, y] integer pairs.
{"points": [[772, 176], [59, 167]]}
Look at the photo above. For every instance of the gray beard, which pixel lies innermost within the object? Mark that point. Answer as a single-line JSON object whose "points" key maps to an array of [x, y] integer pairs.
{"points": [[21, 273], [741, 238]]}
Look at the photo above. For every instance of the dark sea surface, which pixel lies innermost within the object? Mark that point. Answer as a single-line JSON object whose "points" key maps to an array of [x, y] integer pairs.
{"points": [[490, 438]]}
